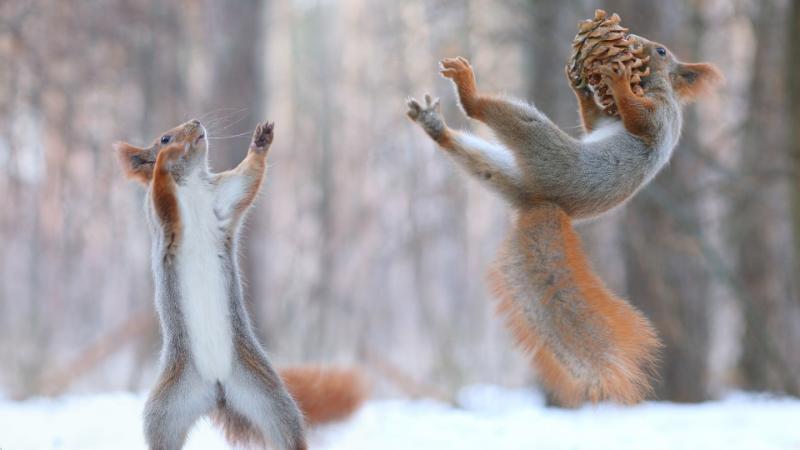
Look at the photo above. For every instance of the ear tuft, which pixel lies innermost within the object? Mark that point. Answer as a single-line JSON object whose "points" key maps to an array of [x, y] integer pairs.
{"points": [[692, 81], [135, 162]]}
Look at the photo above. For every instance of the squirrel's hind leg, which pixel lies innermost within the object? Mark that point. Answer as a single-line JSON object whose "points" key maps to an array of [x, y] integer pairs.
{"points": [[257, 396], [177, 401]]}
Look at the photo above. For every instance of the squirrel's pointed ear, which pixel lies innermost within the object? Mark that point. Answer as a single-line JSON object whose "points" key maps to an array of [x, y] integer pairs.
{"points": [[137, 163], [691, 81]]}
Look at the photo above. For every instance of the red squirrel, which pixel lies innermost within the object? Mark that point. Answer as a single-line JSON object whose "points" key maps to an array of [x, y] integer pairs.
{"points": [[211, 361], [585, 342]]}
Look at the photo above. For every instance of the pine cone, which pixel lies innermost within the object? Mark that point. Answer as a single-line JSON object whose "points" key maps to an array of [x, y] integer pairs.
{"points": [[602, 41]]}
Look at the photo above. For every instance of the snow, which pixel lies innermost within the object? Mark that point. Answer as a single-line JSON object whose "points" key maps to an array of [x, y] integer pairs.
{"points": [[489, 417]]}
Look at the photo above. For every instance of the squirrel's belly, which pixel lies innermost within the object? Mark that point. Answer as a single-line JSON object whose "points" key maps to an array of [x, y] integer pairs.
{"points": [[204, 297]]}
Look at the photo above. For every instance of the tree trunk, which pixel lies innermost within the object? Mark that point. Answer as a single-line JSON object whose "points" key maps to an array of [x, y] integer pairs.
{"points": [[763, 364], [237, 94], [666, 276], [793, 76]]}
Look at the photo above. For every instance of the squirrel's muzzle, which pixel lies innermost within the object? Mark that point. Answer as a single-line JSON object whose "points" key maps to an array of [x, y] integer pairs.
{"points": [[194, 131]]}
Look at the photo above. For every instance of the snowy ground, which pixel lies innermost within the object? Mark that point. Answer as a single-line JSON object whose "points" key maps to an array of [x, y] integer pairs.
{"points": [[491, 418]]}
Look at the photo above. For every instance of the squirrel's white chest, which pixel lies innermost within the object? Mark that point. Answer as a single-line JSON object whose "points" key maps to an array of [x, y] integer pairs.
{"points": [[204, 293]]}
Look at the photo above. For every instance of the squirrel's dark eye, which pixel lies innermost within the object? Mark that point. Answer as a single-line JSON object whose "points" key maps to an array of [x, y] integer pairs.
{"points": [[165, 139], [661, 51]]}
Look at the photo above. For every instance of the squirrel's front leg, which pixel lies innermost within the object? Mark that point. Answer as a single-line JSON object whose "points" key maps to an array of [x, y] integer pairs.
{"points": [[237, 188], [589, 110], [498, 113], [460, 72], [429, 117], [163, 193], [518, 125], [490, 163], [635, 111]]}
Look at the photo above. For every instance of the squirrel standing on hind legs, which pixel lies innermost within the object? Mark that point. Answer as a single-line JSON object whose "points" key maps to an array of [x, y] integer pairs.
{"points": [[585, 342], [211, 361]]}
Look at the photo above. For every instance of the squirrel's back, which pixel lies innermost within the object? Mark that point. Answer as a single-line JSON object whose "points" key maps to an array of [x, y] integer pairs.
{"points": [[607, 166]]}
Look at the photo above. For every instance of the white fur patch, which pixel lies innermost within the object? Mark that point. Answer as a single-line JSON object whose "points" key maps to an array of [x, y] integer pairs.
{"points": [[204, 298], [496, 155], [605, 129], [228, 195], [258, 405]]}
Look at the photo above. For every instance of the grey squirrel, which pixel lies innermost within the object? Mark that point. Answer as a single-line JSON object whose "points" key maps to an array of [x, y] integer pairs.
{"points": [[211, 361], [585, 342]]}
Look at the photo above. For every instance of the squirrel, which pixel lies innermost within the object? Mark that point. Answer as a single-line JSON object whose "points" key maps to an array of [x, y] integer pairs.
{"points": [[585, 343], [211, 361]]}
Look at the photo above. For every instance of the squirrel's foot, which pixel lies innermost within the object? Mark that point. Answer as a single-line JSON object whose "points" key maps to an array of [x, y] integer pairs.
{"points": [[582, 91], [428, 116], [460, 71], [618, 76], [262, 137]]}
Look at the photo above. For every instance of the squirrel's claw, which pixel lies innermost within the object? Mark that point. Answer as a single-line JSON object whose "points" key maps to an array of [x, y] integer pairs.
{"points": [[431, 103], [416, 109], [606, 71], [576, 85], [263, 135], [452, 67], [457, 63], [616, 73], [448, 73]]}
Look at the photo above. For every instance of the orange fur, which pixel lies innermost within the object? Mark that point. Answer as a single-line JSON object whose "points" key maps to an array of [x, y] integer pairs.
{"points": [[694, 80], [253, 167], [164, 197], [169, 376], [445, 139], [597, 348], [325, 394], [551, 373], [459, 70], [238, 431], [250, 357], [636, 112], [136, 162], [589, 111]]}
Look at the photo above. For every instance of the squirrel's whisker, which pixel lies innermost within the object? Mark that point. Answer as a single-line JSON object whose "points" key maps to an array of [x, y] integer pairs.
{"points": [[230, 136], [227, 120]]}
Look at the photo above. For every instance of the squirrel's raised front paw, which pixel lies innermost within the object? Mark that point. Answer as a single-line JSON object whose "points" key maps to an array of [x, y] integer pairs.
{"points": [[262, 137], [617, 74], [427, 115], [416, 111], [459, 70], [577, 85]]}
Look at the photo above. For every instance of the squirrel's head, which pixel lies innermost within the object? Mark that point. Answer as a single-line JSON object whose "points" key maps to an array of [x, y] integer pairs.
{"points": [[688, 81], [138, 162]]}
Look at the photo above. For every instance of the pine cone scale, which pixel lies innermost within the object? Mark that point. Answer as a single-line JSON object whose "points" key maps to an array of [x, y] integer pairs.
{"points": [[600, 42]]}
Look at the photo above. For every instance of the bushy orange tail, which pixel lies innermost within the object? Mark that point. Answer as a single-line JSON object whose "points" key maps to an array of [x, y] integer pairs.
{"points": [[325, 394], [585, 342]]}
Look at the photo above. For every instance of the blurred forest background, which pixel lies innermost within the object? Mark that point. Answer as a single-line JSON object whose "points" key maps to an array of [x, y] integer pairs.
{"points": [[367, 245]]}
